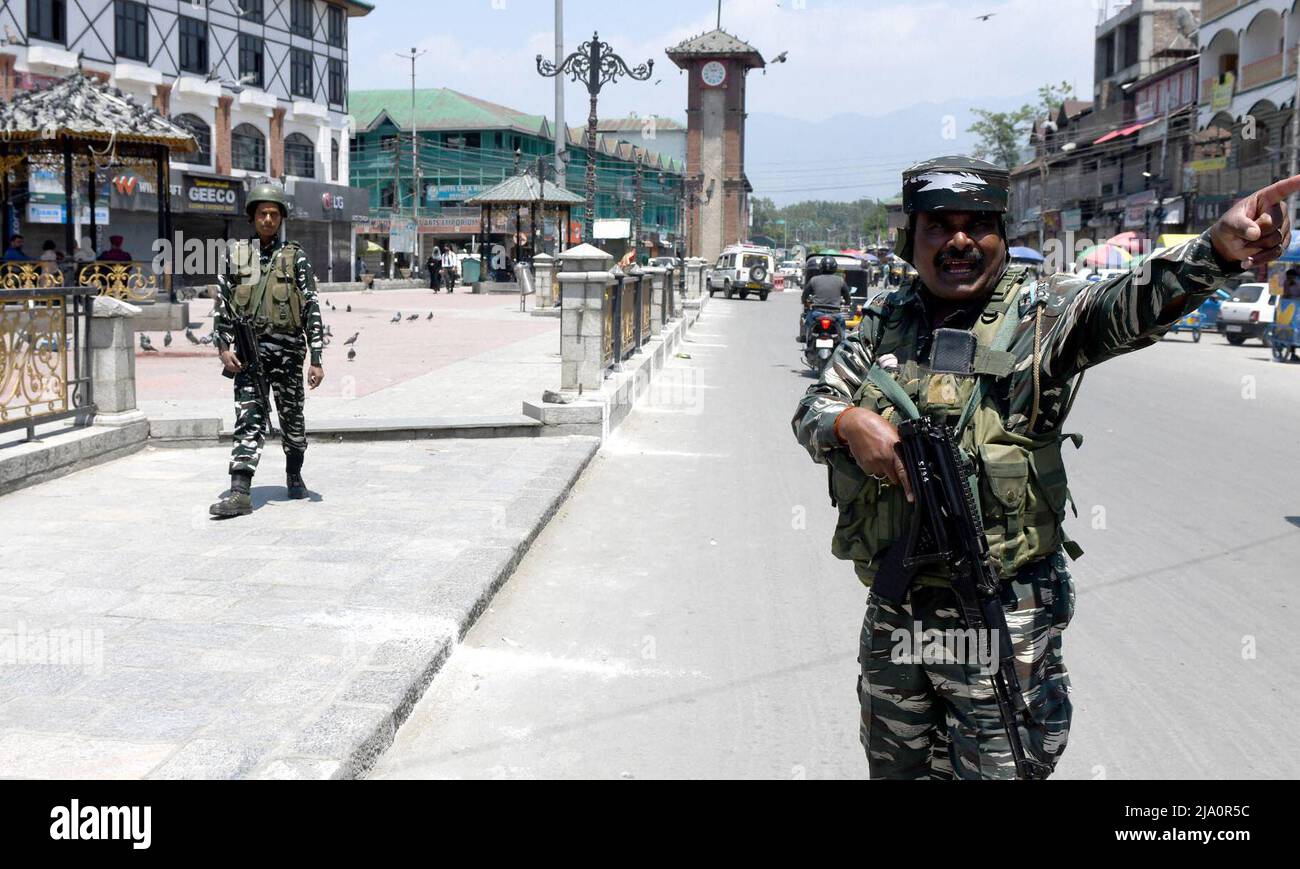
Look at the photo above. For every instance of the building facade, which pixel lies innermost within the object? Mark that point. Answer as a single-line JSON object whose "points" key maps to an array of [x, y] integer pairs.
{"points": [[1247, 100], [1124, 162], [261, 84], [467, 145]]}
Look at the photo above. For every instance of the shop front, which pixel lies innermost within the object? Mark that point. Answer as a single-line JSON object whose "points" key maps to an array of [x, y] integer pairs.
{"points": [[206, 208], [322, 220]]}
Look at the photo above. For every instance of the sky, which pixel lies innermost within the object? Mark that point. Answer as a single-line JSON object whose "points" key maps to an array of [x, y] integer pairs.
{"points": [[868, 57]]}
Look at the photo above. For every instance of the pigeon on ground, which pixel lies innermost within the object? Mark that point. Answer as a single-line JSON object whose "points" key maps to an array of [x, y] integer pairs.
{"points": [[430, 317], [205, 340], [352, 340], [397, 318], [352, 353], [167, 339], [349, 309], [189, 336], [413, 317], [146, 345]]}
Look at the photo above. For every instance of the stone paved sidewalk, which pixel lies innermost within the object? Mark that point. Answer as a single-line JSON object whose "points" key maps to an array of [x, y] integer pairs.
{"points": [[139, 638], [478, 356]]}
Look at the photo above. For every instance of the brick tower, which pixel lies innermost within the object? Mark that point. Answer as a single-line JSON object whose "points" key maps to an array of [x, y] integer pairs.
{"points": [[717, 64]]}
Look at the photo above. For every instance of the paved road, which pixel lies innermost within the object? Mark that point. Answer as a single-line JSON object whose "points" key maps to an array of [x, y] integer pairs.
{"points": [[683, 617]]}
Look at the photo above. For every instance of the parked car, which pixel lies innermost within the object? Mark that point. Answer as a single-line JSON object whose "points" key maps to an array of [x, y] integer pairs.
{"points": [[744, 269], [1248, 313]]}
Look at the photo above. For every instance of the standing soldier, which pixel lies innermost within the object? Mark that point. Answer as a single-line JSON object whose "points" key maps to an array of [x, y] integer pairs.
{"points": [[269, 285], [935, 715]]}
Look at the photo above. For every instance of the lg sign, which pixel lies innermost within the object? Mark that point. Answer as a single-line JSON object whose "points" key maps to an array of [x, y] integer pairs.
{"points": [[331, 201]]}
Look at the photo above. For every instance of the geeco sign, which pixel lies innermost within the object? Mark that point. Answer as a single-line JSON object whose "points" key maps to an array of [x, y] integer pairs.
{"points": [[212, 195]]}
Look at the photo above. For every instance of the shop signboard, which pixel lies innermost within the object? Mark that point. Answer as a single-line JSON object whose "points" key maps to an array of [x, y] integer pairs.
{"points": [[204, 194]]}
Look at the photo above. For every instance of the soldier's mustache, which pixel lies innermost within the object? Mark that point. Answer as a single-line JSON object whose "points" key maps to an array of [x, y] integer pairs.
{"points": [[975, 259]]}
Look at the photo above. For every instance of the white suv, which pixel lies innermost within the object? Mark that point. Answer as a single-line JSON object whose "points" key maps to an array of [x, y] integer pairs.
{"points": [[743, 269], [1247, 313]]}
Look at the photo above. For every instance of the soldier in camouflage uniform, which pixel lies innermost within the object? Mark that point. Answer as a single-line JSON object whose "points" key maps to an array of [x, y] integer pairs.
{"points": [[935, 716], [272, 284]]}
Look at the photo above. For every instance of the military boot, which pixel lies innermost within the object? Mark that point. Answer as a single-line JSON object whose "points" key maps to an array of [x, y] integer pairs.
{"points": [[237, 500], [293, 477]]}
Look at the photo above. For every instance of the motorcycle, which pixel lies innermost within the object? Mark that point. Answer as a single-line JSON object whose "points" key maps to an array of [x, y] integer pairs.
{"points": [[821, 339]]}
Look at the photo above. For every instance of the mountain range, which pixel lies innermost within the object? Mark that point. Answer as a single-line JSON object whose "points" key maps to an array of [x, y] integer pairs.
{"points": [[851, 155]]}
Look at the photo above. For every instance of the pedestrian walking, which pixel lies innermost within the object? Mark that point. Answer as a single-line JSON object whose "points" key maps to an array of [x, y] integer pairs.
{"points": [[434, 267]]}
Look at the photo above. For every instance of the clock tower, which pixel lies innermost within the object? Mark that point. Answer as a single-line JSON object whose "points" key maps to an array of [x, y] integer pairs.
{"points": [[717, 64]]}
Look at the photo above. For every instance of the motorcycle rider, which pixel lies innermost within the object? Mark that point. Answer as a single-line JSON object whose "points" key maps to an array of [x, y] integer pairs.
{"points": [[826, 293]]}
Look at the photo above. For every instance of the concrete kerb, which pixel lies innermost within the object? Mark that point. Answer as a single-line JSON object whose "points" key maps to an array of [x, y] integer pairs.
{"points": [[600, 413], [490, 570]]}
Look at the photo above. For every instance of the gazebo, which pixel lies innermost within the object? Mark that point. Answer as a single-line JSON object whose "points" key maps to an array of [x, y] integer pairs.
{"points": [[519, 192], [83, 125]]}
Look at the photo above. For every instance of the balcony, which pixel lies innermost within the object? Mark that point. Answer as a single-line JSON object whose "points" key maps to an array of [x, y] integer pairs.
{"points": [[1261, 72]]}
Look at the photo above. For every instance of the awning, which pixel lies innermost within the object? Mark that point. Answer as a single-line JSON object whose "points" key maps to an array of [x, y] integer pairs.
{"points": [[1117, 134]]}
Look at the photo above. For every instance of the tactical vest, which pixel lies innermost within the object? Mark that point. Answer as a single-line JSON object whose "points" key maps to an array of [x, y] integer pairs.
{"points": [[273, 302], [1021, 479]]}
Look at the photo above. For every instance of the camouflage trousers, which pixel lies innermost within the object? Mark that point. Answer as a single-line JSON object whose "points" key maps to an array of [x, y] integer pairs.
{"points": [[283, 364], [928, 709]]}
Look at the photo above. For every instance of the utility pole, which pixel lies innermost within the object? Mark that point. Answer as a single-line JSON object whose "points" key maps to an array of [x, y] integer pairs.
{"points": [[415, 161], [638, 205], [1295, 146], [561, 131]]}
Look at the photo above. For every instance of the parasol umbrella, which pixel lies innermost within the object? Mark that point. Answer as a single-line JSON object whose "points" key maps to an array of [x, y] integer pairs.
{"points": [[1127, 241], [1104, 256], [1028, 254]]}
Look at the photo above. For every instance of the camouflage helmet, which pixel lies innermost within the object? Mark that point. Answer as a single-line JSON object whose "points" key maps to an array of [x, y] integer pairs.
{"points": [[951, 184], [265, 191]]}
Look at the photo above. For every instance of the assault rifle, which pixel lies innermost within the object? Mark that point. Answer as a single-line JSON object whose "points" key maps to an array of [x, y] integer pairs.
{"points": [[246, 349], [946, 529]]}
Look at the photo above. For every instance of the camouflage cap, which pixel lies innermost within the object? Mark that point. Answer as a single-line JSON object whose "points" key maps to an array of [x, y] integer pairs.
{"points": [[951, 184], [955, 184]]}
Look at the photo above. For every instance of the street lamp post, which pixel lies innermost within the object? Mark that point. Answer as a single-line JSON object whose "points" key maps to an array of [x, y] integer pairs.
{"points": [[638, 205], [596, 65]]}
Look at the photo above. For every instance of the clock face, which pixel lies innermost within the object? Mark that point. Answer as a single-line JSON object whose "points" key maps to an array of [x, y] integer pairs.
{"points": [[714, 74]]}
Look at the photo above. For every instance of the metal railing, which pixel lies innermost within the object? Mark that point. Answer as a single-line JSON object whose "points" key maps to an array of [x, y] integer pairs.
{"points": [[133, 282], [45, 359], [627, 317]]}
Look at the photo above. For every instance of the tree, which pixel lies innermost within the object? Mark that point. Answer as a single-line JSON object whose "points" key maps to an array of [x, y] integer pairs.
{"points": [[1002, 134]]}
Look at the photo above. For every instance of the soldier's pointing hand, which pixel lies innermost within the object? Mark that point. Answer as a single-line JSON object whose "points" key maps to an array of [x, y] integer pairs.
{"points": [[1256, 230]]}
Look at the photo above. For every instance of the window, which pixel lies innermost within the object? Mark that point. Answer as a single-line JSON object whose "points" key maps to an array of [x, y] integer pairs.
{"points": [[336, 81], [250, 60], [201, 133], [300, 17], [299, 156], [300, 77], [334, 160], [194, 45], [248, 148], [47, 20], [336, 26], [132, 30], [251, 10]]}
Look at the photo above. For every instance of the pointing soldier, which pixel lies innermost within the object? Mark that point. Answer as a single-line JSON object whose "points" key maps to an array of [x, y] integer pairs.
{"points": [[936, 715], [270, 286]]}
